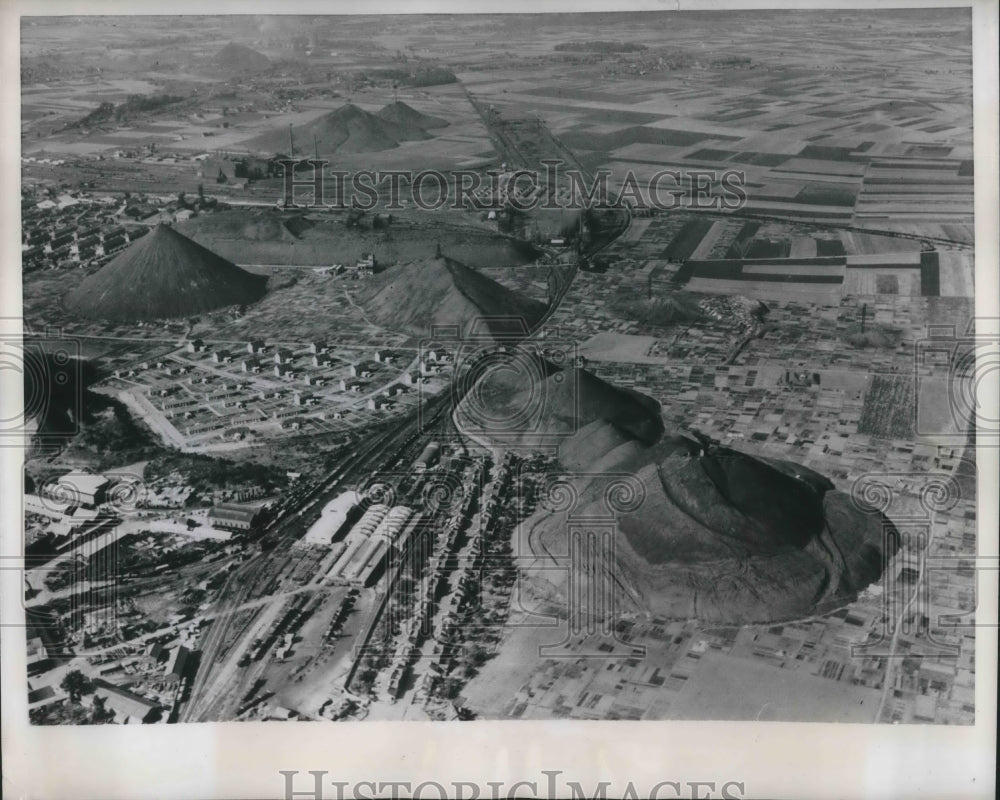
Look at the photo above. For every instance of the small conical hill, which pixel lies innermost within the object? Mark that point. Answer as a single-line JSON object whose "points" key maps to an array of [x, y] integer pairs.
{"points": [[405, 115], [164, 274], [348, 129], [237, 58], [415, 298]]}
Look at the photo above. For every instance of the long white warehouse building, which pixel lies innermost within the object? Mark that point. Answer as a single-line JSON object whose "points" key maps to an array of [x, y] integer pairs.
{"points": [[332, 518]]}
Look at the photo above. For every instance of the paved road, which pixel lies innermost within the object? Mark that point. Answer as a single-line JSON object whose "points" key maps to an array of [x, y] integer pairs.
{"points": [[892, 658]]}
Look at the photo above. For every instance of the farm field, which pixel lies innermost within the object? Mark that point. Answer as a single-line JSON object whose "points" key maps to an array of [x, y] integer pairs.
{"points": [[745, 356], [809, 145], [760, 692], [889, 408]]}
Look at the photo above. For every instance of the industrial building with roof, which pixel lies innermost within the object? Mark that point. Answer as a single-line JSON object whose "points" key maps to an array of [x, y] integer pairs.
{"points": [[371, 538], [38, 656], [78, 488], [128, 707], [233, 517], [428, 458], [333, 518], [44, 696], [177, 664]]}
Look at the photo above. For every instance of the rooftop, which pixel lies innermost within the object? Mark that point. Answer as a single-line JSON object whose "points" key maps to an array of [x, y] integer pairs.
{"points": [[124, 703], [232, 512], [83, 482]]}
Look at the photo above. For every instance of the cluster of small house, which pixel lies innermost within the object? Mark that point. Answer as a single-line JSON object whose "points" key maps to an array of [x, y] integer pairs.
{"points": [[449, 608], [70, 230], [182, 390]]}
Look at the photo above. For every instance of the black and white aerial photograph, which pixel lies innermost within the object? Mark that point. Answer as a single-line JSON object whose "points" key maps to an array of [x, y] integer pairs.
{"points": [[456, 367]]}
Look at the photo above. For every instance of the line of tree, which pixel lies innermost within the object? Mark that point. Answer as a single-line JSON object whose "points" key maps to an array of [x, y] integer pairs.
{"points": [[133, 104], [599, 46], [420, 76]]}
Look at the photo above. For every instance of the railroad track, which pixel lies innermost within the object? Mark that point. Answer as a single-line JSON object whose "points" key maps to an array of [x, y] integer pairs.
{"points": [[260, 575]]}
